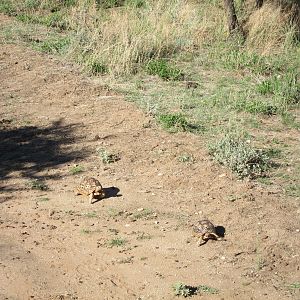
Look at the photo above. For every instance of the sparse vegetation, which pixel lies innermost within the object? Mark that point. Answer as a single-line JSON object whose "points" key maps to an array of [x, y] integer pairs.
{"points": [[117, 242], [164, 70], [184, 290], [108, 158], [37, 184], [76, 169], [186, 158], [236, 153]]}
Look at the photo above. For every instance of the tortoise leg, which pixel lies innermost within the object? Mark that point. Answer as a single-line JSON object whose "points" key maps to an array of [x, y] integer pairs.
{"points": [[201, 241], [91, 197]]}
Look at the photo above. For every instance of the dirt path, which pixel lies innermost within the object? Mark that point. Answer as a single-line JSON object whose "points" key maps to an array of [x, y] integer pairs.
{"points": [[54, 245]]}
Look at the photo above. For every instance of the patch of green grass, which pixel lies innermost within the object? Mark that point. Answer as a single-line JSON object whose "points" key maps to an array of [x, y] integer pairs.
{"points": [[108, 158], [175, 122], [43, 199], [207, 289], [97, 67], [76, 169], [143, 214], [186, 158], [57, 45], [289, 120], [236, 153], [144, 236], [91, 214], [183, 290], [164, 70], [117, 242], [293, 189], [113, 212], [7, 7], [294, 286], [37, 184]]}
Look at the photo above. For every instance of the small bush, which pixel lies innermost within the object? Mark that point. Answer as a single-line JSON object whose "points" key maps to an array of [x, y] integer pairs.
{"points": [[184, 290], [76, 169], [108, 158], [38, 185], [164, 70], [117, 242], [237, 154]]}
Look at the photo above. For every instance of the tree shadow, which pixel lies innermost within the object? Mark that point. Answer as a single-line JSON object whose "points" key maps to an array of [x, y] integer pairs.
{"points": [[29, 150]]}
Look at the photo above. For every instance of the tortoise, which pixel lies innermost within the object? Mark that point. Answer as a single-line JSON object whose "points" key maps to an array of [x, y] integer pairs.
{"points": [[91, 187], [206, 230]]}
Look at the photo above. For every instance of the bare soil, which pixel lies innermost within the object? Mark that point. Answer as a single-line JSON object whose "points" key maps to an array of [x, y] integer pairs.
{"points": [[55, 245]]}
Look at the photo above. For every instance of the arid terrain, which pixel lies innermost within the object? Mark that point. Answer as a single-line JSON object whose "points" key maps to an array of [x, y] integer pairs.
{"points": [[138, 241]]}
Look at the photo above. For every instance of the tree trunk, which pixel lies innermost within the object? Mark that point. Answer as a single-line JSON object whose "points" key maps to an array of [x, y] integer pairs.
{"points": [[233, 24], [259, 3]]}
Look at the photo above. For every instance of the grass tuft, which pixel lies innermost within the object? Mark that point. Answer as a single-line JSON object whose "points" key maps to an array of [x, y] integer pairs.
{"points": [[237, 154]]}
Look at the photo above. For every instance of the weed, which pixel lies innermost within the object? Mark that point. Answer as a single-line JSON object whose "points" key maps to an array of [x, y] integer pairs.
{"points": [[117, 242], [143, 214], [108, 158], [76, 169], [239, 156], [112, 212], [97, 68], [289, 120], [7, 7], [186, 158], [261, 263], [85, 231], [184, 290], [144, 236], [43, 199], [174, 122], [207, 289], [38, 185], [294, 286], [293, 189], [164, 70], [91, 214], [52, 46]]}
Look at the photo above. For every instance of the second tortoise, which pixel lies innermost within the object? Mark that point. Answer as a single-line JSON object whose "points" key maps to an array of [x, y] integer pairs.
{"points": [[91, 187], [205, 230]]}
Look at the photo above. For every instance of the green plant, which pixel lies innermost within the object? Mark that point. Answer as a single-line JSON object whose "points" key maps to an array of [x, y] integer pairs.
{"points": [[164, 70], [91, 214], [37, 184], [176, 121], [294, 286], [236, 153], [85, 231], [7, 7], [184, 290], [58, 45], [117, 242], [108, 158], [144, 213], [186, 158], [76, 169], [43, 199], [97, 68], [144, 236], [207, 289]]}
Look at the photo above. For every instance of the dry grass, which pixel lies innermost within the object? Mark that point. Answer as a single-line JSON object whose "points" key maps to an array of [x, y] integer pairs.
{"points": [[269, 30]]}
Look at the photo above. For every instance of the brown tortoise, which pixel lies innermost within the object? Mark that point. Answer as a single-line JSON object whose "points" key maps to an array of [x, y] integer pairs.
{"points": [[205, 230], [91, 187]]}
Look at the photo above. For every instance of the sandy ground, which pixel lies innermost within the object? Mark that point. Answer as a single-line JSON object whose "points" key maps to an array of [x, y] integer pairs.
{"points": [[55, 245]]}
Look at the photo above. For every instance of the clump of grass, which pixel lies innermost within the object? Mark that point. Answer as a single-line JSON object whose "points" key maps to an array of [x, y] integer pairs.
{"points": [[76, 169], [175, 122], [143, 214], [7, 7], [52, 45], [108, 158], [91, 214], [186, 158], [207, 289], [85, 231], [184, 290], [236, 153], [43, 199], [164, 70], [37, 184], [117, 242], [144, 236], [294, 286]]}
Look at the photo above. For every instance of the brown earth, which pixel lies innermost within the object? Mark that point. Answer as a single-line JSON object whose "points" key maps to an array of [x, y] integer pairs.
{"points": [[55, 245]]}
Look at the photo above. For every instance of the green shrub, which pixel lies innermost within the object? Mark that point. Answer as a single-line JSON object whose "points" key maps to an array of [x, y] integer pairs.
{"points": [[164, 70], [237, 154]]}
